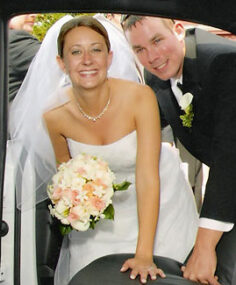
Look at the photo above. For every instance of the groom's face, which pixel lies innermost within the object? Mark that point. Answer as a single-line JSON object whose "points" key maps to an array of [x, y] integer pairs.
{"points": [[159, 47]]}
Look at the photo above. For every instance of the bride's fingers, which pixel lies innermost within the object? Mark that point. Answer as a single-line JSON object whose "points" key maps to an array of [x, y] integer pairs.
{"points": [[143, 277], [134, 274], [153, 272], [153, 275], [125, 266], [161, 273]]}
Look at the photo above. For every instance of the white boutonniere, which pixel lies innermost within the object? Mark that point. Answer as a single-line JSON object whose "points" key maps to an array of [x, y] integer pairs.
{"points": [[185, 104]]}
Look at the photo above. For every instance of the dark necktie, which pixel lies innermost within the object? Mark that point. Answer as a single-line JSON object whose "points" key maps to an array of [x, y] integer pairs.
{"points": [[180, 86]]}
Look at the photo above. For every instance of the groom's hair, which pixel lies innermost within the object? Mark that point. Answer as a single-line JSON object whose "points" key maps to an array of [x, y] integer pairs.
{"points": [[129, 21], [81, 21]]}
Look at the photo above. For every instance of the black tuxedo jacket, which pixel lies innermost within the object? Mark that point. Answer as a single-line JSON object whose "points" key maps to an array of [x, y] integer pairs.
{"points": [[209, 73], [22, 48]]}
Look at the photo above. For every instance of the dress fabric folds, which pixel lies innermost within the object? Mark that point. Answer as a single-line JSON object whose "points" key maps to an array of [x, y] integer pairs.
{"points": [[178, 217]]}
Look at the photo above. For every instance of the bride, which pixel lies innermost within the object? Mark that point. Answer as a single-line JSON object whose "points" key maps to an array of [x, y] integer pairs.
{"points": [[55, 117]]}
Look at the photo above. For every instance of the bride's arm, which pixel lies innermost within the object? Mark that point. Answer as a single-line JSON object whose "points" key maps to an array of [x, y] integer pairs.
{"points": [[53, 124], [147, 183]]}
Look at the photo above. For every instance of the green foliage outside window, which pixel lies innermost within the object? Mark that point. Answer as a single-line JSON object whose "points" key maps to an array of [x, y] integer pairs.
{"points": [[45, 21]]}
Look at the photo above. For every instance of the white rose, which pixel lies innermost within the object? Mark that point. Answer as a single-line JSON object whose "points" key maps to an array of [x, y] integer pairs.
{"points": [[77, 183], [109, 193], [99, 191], [80, 226], [50, 191], [67, 178], [61, 210], [52, 210], [185, 100], [56, 178]]}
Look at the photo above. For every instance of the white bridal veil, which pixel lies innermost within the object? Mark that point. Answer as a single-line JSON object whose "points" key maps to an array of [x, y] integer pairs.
{"points": [[33, 152]]}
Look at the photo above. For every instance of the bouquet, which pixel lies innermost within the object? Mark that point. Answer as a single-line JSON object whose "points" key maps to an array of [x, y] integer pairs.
{"points": [[81, 193]]}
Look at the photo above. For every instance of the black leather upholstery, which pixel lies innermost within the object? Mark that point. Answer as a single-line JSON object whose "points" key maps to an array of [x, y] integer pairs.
{"points": [[106, 271], [48, 244]]}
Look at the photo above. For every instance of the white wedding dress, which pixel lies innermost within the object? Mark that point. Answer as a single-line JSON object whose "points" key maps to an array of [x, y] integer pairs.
{"points": [[178, 218]]}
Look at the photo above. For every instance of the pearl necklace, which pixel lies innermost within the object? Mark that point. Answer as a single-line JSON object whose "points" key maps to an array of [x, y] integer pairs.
{"points": [[94, 119]]}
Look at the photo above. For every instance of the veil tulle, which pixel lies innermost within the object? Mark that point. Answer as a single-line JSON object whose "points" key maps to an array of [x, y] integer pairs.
{"points": [[33, 153]]}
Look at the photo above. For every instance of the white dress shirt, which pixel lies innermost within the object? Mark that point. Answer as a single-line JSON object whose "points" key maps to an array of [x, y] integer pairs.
{"points": [[203, 222]]}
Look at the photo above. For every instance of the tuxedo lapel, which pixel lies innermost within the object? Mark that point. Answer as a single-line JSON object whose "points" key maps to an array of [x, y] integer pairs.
{"points": [[172, 111], [191, 80]]}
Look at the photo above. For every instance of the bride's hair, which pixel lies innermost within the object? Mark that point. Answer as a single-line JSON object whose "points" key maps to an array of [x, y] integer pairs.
{"points": [[81, 21]]}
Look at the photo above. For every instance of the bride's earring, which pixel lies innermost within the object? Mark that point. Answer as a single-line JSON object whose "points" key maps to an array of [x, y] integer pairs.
{"points": [[65, 80]]}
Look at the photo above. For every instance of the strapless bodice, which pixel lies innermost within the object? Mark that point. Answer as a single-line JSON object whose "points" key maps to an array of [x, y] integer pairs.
{"points": [[120, 155]]}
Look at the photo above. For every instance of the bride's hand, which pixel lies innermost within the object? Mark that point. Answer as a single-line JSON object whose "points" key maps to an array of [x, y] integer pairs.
{"points": [[142, 267]]}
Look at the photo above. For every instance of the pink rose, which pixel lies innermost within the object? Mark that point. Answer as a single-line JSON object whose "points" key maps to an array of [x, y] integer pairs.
{"points": [[97, 203], [98, 182], [81, 171], [57, 193], [72, 196], [73, 215]]}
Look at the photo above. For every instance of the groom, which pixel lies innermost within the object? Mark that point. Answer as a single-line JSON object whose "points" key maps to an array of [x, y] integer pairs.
{"points": [[204, 65]]}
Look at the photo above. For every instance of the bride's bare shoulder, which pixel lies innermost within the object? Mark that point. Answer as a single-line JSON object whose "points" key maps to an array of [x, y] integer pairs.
{"points": [[123, 83], [61, 104], [56, 113], [131, 88]]}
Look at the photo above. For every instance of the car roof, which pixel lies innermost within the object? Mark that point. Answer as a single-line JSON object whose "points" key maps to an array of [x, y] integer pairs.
{"points": [[218, 13]]}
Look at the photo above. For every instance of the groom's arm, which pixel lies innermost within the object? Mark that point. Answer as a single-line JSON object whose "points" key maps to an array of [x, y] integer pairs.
{"points": [[220, 197], [202, 263]]}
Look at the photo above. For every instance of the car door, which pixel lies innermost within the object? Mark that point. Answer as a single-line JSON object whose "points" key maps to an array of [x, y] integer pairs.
{"points": [[25, 259]]}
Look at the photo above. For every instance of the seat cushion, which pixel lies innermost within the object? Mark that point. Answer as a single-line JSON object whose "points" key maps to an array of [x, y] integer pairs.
{"points": [[106, 270]]}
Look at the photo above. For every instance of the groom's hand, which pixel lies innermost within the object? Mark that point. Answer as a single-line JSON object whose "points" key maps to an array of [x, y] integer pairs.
{"points": [[201, 265], [201, 268]]}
